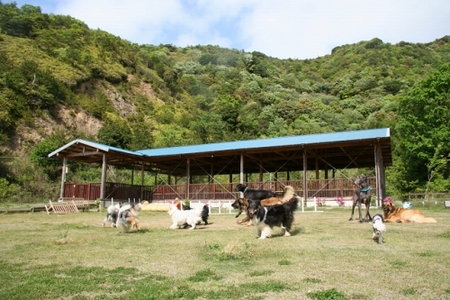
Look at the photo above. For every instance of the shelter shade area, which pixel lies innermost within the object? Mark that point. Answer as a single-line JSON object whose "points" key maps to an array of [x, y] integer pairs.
{"points": [[326, 153]]}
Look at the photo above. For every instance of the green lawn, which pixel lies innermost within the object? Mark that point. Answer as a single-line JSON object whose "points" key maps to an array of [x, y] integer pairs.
{"points": [[327, 257]]}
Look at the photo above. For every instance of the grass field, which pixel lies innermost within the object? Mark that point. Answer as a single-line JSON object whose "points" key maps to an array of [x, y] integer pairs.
{"points": [[327, 257]]}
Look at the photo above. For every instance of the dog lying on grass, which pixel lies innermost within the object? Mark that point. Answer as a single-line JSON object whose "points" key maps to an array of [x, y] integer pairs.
{"points": [[396, 214]]}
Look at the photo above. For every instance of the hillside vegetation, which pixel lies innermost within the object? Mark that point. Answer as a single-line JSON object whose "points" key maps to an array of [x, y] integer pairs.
{"points": [[60, 80]]}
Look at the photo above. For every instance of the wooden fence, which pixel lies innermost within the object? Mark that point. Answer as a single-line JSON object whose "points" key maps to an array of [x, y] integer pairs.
{"points": [[326, 189], [429, 199], [319, 188], [119, 191]]}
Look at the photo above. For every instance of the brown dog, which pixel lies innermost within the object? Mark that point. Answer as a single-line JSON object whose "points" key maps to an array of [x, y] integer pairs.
{"points": [[288, 194], [396, 214], [241, 204]]}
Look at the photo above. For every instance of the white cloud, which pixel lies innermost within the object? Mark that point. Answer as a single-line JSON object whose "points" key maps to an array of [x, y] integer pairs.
{"points": [[279, 28]]}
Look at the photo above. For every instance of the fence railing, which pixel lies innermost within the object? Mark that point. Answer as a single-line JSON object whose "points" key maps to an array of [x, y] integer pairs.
{"points": [[319, 188], [119, 191], [428, 199], [326, 189]]}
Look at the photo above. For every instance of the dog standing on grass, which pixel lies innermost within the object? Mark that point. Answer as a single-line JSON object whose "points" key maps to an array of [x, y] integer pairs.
{"points": [[111, 215], [205, 214], [378, 227], [128, 217], [182, 218], [251, 194]]}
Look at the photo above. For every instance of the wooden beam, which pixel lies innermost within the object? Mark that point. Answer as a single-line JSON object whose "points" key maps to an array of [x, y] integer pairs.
{"points": [[88, 153], [63, 178], [103, 182]]}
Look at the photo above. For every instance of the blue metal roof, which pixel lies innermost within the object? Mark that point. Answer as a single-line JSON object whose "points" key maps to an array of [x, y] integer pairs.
{"points": [[271, 142]]}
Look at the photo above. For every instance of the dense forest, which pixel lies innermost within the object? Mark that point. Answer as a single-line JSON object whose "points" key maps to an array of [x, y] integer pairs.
{"points": [[60, 80]]}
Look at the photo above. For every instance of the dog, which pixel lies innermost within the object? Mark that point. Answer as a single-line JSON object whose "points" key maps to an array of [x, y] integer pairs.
{"points": [[242, 204], [253, 194], [361, 195], [394, 214], [205, 214], [127, 217], [287, 195], [180, 218], [111, 215], [378, 227], [266, 217]]}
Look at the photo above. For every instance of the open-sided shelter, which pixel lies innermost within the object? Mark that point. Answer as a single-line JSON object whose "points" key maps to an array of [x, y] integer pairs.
{"points": [[325, 151]]}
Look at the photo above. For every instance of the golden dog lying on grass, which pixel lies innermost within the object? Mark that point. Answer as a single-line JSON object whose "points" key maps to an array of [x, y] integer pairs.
{"points": [[242, 204], [396, 214]]}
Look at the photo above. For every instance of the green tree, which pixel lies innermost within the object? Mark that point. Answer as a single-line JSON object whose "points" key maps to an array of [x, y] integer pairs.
{"points": [[39, 155], [422, 127], [209, 128], [116, 134], [228, 108]]}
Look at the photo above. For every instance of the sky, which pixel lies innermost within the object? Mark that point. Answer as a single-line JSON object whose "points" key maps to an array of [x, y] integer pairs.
{"points": [[297, 29]]}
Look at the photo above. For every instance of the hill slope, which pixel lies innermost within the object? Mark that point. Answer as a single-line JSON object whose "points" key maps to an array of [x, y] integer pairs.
{"points": [[57, 74]]}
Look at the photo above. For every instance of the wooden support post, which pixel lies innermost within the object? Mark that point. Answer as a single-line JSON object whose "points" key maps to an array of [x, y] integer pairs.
{"points": [[379, 174], [305, 175], [63, 178], [188, 178], [103, 182]]}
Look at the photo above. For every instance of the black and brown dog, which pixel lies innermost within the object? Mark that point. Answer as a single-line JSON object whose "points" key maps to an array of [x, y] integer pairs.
{"points": [[241, 204]]}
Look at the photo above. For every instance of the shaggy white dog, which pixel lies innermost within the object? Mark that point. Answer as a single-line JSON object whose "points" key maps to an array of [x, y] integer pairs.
{"points": [[127, 217], [111, 215], [182, 217]]}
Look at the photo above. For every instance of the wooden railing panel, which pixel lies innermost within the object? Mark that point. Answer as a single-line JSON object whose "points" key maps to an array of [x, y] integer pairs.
{"points": [[319, 188]]}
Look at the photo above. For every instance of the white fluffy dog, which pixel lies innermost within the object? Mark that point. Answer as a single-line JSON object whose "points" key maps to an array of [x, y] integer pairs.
{"points": [[378, 228], [182, 217], [111, 215], [127, 217]]}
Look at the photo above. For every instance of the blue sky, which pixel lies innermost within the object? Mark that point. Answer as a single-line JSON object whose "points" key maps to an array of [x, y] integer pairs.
{"points": [[298, 29]]}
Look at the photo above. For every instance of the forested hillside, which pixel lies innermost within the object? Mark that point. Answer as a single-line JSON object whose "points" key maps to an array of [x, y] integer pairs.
{"points": [[60, 80]]}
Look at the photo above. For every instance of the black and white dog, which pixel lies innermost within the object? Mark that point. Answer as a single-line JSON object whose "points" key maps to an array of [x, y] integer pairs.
{"points": [[378, 227], [251, 194], [266, 217]]}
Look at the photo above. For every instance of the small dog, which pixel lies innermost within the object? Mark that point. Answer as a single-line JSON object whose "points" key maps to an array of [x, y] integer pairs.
{"points": [[378, 228], [111, 215], [205, 214], [253, 194], [182, 217], [266, 217], [127, 217]]}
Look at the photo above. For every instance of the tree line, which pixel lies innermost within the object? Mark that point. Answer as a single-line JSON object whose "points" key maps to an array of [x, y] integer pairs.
{"points": [[205, 93]]}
